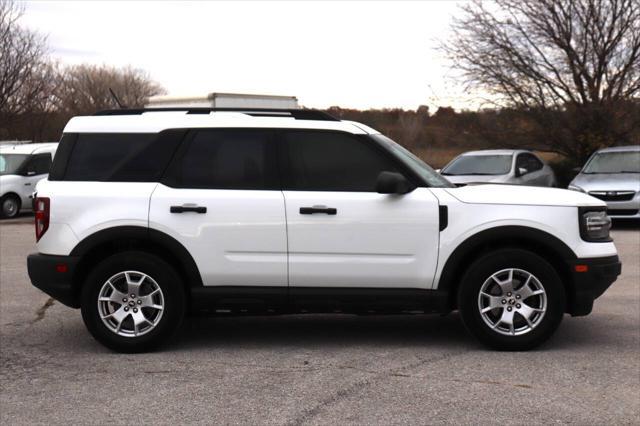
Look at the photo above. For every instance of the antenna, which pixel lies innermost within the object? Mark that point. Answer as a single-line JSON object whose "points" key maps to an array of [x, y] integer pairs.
{"points": [[115, 98]]}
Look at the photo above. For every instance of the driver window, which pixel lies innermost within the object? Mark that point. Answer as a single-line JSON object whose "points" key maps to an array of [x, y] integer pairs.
{"points": [[534, 163], [38, 165], [332, 161], [521, 162]]}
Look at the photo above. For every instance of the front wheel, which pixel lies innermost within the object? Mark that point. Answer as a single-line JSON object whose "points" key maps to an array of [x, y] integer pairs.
{"points": [[132, 301], [511, 299]]}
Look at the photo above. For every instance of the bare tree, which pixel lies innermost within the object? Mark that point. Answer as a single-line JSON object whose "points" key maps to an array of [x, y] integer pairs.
{"points": [[571, 65], [25, 71], [84, 89]]}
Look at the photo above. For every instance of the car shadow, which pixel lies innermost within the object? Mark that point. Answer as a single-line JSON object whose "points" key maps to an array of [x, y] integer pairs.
{"points": [[341, 332], [327, 331], [335, 331]]}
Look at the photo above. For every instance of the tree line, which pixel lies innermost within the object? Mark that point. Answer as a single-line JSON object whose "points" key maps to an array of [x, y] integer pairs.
{"points": [[558, 76], [38, 95]]}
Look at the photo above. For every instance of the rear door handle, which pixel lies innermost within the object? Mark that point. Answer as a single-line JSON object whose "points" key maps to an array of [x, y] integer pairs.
{"points": [[318, 209], [188, 208]]}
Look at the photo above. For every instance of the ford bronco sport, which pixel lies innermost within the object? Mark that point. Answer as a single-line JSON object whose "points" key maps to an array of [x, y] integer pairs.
{"points": [[148, 215]]}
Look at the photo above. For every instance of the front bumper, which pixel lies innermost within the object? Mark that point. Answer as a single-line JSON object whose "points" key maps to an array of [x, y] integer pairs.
{"points": [[54, 276], [624, 209], [591, 278]]}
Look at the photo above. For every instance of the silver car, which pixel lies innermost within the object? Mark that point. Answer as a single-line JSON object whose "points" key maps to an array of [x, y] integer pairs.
{"points": [[613, 175], [512, 166]]}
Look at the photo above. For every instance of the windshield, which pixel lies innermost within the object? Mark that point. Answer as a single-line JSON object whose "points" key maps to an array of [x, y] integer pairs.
{"points": [[479, 165], [10, 163], [614, 162], [418, 166]]}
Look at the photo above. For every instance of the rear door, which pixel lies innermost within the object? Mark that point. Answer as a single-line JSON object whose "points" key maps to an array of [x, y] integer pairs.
{"points": [[221, 199], [341, 232]]}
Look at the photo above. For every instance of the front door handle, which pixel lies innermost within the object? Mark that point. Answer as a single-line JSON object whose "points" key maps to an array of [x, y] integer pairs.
{"points": [[318, 209], [188, 208]]}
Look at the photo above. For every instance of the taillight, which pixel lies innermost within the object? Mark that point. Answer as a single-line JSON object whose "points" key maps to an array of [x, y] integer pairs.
{"points": [[42, 207]]}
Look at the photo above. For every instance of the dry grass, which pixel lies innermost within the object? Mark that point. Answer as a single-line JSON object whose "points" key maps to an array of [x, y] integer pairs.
{"points": [[438, 157]]}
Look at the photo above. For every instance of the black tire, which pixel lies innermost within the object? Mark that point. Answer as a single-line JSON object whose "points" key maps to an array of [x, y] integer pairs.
{"points": [[7, 213], [481, 270], [165, 277]]}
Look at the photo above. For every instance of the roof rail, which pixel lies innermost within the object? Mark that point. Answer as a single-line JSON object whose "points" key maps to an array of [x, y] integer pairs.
{"points": [[298, 114]]}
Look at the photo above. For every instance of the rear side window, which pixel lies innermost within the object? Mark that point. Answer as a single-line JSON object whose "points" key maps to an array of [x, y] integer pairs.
{"points": [[226, 159], [333, 161], [115, 157]]}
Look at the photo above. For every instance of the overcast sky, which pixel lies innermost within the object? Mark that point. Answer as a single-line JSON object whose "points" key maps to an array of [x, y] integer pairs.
{"points": [[352, 54]]}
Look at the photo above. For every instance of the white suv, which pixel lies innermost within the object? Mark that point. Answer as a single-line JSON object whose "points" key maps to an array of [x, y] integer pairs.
{"points": [[21, 167], [151, 214]]}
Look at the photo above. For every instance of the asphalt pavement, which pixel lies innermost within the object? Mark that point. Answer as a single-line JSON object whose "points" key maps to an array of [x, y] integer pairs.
{"points": [[315, 369]]}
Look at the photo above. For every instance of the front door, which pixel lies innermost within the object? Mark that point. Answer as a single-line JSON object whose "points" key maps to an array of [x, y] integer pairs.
{"points": [[341, 232]]}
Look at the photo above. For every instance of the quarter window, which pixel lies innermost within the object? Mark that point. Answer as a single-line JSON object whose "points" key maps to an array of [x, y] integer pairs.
{"points": [[333, 161], [115, 157]]}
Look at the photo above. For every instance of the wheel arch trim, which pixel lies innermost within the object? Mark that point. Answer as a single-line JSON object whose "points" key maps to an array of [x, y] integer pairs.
{"points": [[121, 238], [502, 236]]}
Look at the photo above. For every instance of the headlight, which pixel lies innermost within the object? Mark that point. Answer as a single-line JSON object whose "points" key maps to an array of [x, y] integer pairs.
{"points": [[575, 188], [594, 224]]}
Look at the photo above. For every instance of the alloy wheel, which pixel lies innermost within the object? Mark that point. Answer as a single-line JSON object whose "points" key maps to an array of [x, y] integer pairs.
{"points": [[512, 302], [131, 303]]}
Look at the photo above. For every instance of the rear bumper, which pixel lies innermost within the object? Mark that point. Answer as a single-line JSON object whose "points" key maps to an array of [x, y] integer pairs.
{"points": [[54, 276], [597, 276]]}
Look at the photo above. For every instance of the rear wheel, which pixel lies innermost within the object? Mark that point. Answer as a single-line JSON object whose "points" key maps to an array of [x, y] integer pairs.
{"points": [[511, 299], [9, 206], [132, 301]]}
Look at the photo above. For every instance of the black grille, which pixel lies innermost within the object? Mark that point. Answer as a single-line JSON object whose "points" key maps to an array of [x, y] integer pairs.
{"points": [[613, 195], [622, 212]]}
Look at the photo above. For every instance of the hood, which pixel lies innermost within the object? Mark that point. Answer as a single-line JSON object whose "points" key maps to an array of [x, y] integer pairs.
{"points": [[523, 195], [608, 181], [466, 179]]}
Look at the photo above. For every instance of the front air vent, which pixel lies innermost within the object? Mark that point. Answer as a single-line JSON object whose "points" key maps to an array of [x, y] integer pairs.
{"points": [[613, 195]]}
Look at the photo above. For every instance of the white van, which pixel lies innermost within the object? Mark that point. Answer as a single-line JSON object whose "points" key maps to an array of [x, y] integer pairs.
{"points": [[21, 167]]}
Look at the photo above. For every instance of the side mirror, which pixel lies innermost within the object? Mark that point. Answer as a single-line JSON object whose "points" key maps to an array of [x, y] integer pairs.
{"points": [[392, 183], [521, 171]]}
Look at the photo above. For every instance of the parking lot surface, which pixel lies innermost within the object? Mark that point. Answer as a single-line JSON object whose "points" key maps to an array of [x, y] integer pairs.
{"points": [[315, 369]]}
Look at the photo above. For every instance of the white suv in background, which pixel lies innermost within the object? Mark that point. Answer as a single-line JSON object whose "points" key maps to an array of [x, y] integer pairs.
{"points": [[151, 214], [21, 167]]}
